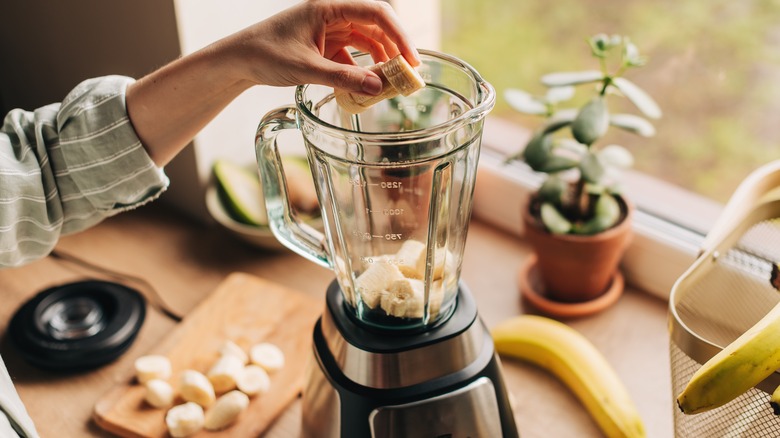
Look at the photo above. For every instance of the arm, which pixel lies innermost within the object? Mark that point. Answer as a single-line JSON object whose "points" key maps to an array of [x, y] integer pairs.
{"points": [[304, 44]]}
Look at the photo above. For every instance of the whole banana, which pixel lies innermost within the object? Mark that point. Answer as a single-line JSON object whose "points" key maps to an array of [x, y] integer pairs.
{"points": [[573, 359], [745, 362]]}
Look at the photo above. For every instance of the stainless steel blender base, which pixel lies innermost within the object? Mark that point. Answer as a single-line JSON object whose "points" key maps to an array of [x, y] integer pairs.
{"points": [[445, 382]]}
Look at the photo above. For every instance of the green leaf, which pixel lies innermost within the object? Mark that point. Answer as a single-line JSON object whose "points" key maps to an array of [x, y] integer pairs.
{"points": [[592, 121], [599, 44], [521, 101], [631, 57], [638, 97], [537, 151], [572, 78], [559, 120], [632, 123], [591, 168], [552, 190], [557, 163], [570, 146], [616, 156], [559, 94], [555, 222], [606, 215]]}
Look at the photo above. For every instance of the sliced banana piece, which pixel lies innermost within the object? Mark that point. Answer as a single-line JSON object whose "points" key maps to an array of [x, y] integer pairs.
{"points": [[159, 393], [443, 264], [230, 348], [402, 76], [404, 298], [408, 258], [153, 366], [224, 373], [196, 387], [253, 380], [184, 420], [397, 77], [375, 280], [226, 410], [268, 356]]}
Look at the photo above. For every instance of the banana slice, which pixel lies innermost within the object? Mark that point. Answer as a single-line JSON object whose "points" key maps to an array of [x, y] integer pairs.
{"points": [[224, 373], [267, 356], [253, 380], [159, 393], [226, 410], [406, 298], [230, 348], [195, 387], [408, 258], [184, 420], [375, 280], [443, 264], [402, 76], [397, 77], [152, 367]]}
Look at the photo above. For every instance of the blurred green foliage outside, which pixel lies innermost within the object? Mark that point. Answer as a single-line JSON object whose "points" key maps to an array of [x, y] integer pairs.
{"points": [[713, 67]]}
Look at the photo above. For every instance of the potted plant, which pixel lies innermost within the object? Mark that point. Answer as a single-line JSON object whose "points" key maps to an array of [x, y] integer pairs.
{"points": [[578, 222]]}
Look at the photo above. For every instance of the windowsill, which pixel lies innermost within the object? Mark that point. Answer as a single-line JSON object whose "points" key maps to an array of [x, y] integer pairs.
{"points": [[669, 224]]}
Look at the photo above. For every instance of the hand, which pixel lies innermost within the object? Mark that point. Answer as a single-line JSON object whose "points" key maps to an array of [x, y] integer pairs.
{"points": [[307, 43]]}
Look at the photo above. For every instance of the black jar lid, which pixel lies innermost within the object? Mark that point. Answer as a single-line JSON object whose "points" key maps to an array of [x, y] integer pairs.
{"points": [[78, 326]]}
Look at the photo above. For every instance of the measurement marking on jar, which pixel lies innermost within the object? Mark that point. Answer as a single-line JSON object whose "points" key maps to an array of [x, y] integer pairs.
{"points": [[387, 185], [369, 236], [386, 211], [376, 260]]}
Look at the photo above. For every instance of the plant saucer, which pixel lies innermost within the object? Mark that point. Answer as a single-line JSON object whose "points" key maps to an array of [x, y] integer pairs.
{"points": [[532, 291]]}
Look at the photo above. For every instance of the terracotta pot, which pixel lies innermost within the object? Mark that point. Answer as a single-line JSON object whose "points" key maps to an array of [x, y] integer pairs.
{"points": [[577, 268]]}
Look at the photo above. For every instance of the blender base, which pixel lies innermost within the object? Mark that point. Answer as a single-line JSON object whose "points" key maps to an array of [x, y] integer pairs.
{"points": [[444, 382]]}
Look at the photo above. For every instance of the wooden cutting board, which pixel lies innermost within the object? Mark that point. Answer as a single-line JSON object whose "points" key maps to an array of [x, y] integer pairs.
{"points": [[247, 310]]}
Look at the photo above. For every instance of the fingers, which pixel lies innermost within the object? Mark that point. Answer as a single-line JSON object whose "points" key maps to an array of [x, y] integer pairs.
{"points": [[343, 75], [376, 20], [336, 42]]}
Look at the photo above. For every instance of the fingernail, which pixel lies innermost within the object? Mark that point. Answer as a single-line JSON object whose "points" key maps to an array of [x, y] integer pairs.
{"points": [[372, 85]]}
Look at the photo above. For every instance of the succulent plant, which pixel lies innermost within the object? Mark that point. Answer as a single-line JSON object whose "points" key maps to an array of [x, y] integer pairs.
{"points": [[578, 195]]}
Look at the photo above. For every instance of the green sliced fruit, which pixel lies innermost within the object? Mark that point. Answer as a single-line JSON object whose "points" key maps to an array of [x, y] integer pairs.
{"points": [[241, 192]]}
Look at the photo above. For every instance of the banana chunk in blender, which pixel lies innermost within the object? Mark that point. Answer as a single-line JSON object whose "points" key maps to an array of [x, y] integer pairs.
{"points": [[375, 281], [395, 282]]}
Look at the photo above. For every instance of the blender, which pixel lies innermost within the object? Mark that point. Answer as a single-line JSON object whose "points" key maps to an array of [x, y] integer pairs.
{"points": [[399, 350]]}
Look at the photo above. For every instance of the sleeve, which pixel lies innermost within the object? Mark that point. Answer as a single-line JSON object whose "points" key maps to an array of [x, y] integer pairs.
{"points": [[67, 166], [14, 421]]}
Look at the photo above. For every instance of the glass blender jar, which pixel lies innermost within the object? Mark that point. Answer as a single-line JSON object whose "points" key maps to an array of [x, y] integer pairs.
{"points": [[395, 186]]}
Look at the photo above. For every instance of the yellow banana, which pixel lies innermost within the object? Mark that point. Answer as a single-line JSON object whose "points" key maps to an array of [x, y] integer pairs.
{"points": [[398, 77], [744, 363], [774, 401], [569, 356]]}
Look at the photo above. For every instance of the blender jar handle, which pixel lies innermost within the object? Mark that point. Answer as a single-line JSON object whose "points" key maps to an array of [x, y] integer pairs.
{"points": [[288, 229]]}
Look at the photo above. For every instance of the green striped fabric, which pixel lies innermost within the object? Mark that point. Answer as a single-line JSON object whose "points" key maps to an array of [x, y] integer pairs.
{"points": [[63, 168], [68, 166]]}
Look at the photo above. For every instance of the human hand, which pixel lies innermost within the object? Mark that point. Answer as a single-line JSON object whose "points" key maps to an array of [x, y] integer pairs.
{"points": [[308, 42]]}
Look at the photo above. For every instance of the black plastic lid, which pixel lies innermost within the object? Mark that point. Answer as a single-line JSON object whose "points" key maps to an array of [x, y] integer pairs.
{"points": [[78, 326]]}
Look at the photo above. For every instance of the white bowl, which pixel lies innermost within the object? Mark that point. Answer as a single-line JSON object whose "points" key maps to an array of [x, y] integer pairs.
{"points": [[261, 237]]}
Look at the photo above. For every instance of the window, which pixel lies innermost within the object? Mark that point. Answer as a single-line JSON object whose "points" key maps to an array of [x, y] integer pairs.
{"points": [[713, 68]]}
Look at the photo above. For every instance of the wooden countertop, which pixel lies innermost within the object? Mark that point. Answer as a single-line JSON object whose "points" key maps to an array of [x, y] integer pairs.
{"points": [[184, 261]]}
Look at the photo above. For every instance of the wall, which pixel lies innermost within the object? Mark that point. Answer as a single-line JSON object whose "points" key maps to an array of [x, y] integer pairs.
{"points": [[47, 47]]}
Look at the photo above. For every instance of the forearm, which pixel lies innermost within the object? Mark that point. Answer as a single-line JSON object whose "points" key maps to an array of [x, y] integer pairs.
{"points": [[170, 106]]}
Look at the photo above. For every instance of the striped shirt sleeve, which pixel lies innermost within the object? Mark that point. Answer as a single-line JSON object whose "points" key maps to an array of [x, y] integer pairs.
{"points": [[67, 166]]}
